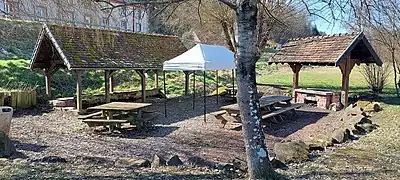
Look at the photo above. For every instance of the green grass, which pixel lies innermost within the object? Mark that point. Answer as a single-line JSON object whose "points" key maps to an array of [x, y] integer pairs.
{"points": [[319, 77]]}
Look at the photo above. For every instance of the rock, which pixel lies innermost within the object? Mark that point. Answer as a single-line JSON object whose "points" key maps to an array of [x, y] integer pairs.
{"points": [[6, 146], [365, 128], [158, 161], [364, 120], [240, 164], [373, 107], [226, 167], [131, 163], [336, 106], [319, 143], [174, 161], [51, 159], [340, 136], [291, 151], [276, 164], [377, 107]]}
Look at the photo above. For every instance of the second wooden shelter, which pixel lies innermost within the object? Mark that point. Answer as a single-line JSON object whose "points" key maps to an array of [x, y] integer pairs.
{"points": [[343, 51]]}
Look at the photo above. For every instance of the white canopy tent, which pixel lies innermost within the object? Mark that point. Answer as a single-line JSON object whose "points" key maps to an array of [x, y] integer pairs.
{"points": [[202, 57]]}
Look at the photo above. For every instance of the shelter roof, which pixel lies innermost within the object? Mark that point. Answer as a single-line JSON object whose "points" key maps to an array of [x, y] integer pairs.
{"points": [[88, 48], [327, 50]]}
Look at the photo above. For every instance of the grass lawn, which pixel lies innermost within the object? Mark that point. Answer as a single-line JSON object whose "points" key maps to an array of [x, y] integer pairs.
{"points": [[319, 77]]}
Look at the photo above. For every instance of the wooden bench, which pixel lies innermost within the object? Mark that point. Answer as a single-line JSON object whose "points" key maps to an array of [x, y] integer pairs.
{"points": [[282, 110], [90, 115], [104, 122]]}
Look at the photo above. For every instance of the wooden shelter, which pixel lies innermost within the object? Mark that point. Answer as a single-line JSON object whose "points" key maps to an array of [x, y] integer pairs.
{"points": [[343, 51], [81, 49]]}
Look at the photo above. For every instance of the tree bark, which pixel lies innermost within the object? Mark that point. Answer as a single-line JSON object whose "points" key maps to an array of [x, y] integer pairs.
{"points": [[258, 163], [396, 85]]}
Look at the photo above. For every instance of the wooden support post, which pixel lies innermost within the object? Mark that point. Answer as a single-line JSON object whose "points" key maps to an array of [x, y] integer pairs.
{"points": [[143, 83], [296, 69], [345, 67], [156, 79], [187, 73], [79, 91], [48, 76], [112, 81], [107, 85]]}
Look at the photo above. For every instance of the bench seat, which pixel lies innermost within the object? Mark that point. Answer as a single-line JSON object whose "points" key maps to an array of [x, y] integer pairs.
{"points": [[90, 115], [104, 122], [282, 110]]}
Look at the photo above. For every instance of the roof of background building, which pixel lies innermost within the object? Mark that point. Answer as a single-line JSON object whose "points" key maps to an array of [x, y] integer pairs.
{"points": [[327, 50], [87, 48]]}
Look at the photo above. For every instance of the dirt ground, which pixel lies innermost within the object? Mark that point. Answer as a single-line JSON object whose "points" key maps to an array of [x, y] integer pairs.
{"points": [[38, 134]]}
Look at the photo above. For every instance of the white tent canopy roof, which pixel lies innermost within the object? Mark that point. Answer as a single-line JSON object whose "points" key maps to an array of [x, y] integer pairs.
{"points": [[202, 57]]}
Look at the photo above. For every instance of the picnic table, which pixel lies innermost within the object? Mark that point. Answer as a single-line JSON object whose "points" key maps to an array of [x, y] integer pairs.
{"points": [[116, 113], [270, 106]]}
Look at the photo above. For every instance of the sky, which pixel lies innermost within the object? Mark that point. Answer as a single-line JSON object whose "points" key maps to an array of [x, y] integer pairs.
{"points": [[329, 28]]}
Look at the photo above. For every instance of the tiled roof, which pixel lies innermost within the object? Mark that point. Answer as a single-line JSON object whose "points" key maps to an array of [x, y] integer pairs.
{"points": [[328, 50], [86, 48]]}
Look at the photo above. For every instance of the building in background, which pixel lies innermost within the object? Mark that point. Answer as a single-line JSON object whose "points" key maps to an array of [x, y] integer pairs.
{"points": [[78, 13]]}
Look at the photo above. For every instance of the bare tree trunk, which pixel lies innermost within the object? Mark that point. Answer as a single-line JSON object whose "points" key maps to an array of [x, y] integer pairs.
{"points": [[395, 73], [259, 166]]}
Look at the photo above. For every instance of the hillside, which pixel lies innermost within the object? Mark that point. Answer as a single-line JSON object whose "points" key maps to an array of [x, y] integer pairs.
{"points": [[18, 38]]}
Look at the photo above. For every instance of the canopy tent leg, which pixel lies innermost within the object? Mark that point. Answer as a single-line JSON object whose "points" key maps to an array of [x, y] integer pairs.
{"points": [[296, 69], [143, 83], [79, 91], [107, 85], [165, 93], [233, 80], [187, 73], [346, 68], [217, 87], [194, 88], [204, 99]]}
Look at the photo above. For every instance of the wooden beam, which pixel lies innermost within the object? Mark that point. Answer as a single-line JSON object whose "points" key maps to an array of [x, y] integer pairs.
{"points": [[345, 67], [48, 77], [107, 85], [112, 80], [156, 79], [143, 83], [296, 69], [79, 91], [187, 73]]}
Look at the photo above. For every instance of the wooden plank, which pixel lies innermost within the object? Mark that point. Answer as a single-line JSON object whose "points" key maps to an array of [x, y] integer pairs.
{"points": [[264, 101], [90, 115], [48, 83], [14, 99], [316, 92], [282, 110], [104, 122], [107, 85], [121, 106], [34, 100]]}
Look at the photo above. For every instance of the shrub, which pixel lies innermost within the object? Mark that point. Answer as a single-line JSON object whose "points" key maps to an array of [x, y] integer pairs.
{"points": [[376, 77]]}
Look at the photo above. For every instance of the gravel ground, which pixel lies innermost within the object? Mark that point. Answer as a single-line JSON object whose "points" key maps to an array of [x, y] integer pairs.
{"points": [[38, 134]]}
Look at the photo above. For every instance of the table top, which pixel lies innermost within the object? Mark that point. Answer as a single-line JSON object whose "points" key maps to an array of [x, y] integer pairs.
{"points": [[264, 101], [120, 106]]}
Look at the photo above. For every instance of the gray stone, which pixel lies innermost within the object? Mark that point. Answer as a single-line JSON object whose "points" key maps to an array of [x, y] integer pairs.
{"points": [[276, 164], [291, 151], [174, 161], [6, 146], [365, 128], [158, 161], [132, 163], [364, 120], [340, 136]]}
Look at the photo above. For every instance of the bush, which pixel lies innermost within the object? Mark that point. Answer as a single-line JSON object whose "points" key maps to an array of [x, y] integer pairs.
{"points": [[376, 77]]}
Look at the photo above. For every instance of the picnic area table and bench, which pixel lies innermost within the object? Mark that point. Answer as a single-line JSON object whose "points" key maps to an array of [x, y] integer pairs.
{"points": [[116, 113], [270, 107]]}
